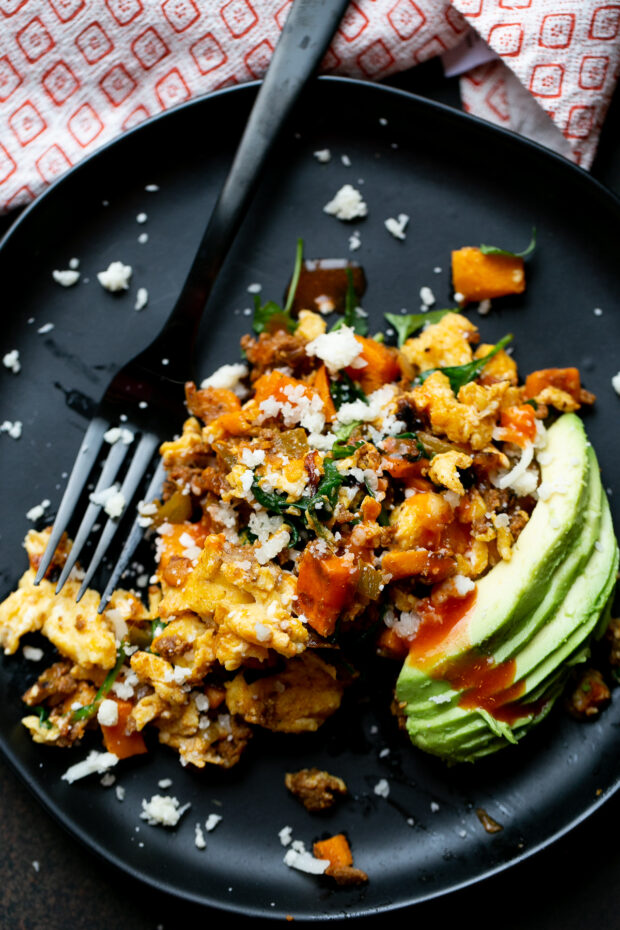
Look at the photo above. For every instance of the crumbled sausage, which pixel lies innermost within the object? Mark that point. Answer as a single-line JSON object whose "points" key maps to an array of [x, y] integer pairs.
{"points": [[316, 790]]}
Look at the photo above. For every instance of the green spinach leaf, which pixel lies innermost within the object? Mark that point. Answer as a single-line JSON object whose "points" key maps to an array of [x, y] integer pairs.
{"points": [[458, 375], [494, 250], [406, 324]]}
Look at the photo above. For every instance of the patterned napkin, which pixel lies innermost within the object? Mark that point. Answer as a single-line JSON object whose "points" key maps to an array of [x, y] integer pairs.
{"points": [[76, 73]]}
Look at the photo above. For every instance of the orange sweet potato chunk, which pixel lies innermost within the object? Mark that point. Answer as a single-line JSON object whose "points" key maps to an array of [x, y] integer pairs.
{"points": [[116, 739], [325, 586], [480, 277], [382, 366]]}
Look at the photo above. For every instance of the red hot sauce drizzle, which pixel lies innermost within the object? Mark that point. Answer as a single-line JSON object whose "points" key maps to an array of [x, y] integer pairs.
{"points": [[484, 683]]}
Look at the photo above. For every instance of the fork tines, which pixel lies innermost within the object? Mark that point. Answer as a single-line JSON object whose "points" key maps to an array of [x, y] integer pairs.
{"points": [[94, 438]]}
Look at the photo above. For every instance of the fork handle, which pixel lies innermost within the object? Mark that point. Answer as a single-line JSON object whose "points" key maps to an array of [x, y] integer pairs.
{"points": [[304, 40]]}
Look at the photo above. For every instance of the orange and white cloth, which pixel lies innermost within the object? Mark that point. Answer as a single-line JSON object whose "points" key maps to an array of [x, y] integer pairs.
{"points": [[76, 73]]}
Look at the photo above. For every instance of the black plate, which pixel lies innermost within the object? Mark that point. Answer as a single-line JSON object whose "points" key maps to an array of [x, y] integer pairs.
{"points": [[461, 182]]}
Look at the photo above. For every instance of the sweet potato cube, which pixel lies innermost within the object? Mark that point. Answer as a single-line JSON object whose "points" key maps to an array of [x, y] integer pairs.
{"points": [[480, 277], [382, 366], [118, 741], [336, 849], [325, 586]]}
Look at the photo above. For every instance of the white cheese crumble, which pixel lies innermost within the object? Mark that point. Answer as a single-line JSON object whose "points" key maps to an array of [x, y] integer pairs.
{"points": [[347, 204], [111, 499], [615, 383], [253, 457], [107, 714], [95, 763], [163, 810], [115, 277], [267, 551], [285, 835], [141, 218], [323, 156], [370, 409], [355, 241], [14, 429], [212, 822], [397, 225], [427, 297], [382, 788], [484, 307], [142, 299], [297, 857], [143, 238], [120, 793], [66, 277], [11, 361], [199, 837], [32, 653], [442, 698], [229, 377], [36, 512], [338, 349], [463, 584], [119, 433], [263, 526]]}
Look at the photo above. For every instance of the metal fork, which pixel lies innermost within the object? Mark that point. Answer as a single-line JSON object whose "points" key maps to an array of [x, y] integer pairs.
{"points": [[147, 395]]}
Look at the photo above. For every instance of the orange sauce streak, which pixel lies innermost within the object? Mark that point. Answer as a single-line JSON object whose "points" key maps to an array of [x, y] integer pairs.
{"points": [[484, 683], [438, 620]]}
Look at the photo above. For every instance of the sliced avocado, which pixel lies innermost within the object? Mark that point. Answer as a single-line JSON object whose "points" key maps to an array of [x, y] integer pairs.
{"points": [[539, 610]]}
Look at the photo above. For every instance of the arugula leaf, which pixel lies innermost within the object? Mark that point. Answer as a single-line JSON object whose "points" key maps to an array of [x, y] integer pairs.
{"points": [[408, 323], [459, 375], [340, 449], [494, 250], [84, 713], [344, 390], [269, 314], [352, 318]]}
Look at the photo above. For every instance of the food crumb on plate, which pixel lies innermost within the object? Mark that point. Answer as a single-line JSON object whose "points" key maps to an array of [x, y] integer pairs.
{"points": [[142, 298], [11, 361], [36, 512], [347, 204], [96, 763], [355, 241], [115, 277], [323, 156], [12, 428], [212, 822], [397, 225], [32, 653], [163, 810], [382, 788], [66, 277]]}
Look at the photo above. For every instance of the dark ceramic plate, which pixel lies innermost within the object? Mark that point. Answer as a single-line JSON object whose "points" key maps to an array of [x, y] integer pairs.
{"points": [[461, 182]]}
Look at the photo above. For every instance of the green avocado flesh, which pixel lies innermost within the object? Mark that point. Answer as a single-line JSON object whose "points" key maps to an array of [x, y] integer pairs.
{"points": [[534, 615]]}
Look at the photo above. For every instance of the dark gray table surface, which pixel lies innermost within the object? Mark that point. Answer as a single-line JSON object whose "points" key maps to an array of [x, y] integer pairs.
{"points": [[572, 885]]}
